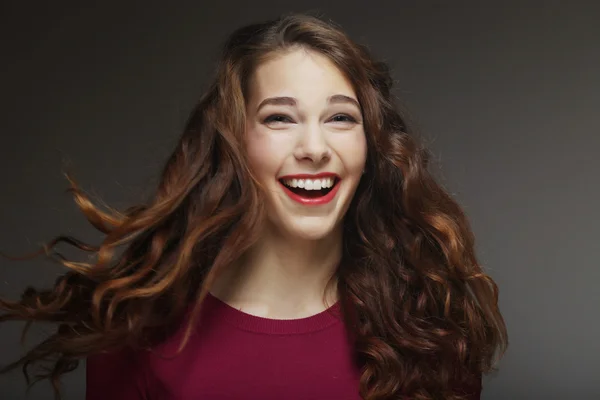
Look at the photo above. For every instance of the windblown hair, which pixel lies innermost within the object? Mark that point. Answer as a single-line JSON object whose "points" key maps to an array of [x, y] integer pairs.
{"points": [[423, 314]]}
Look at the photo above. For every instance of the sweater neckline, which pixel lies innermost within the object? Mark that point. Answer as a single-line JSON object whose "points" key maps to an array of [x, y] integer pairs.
{"points": [[253, 323]]}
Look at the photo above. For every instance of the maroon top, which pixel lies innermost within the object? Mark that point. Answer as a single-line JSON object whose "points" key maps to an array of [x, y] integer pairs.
{"points": [[234, 356]]}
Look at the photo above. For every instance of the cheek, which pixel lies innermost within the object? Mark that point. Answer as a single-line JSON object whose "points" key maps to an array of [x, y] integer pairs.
{"points": [[264, 155], [353, 153]]}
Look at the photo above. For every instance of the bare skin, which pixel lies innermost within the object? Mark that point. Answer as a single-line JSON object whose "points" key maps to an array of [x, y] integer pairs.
{"points": [[303, 117]]}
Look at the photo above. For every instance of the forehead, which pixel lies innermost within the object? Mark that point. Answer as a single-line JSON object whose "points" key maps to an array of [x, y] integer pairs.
{"points": [[303, 74]]}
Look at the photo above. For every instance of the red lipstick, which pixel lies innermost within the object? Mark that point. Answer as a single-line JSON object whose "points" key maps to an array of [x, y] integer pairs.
{"points": [[301, 195]]}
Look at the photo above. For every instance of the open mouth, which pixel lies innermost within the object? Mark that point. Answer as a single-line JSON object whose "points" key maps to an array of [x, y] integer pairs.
{"points": [[311, 191]]}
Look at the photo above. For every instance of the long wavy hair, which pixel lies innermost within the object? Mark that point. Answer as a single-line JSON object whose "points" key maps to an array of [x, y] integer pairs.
{"points": [[423, 314]]}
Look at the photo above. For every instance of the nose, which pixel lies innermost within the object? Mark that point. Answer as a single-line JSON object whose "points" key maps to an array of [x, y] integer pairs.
{"points": [[312, 145]]}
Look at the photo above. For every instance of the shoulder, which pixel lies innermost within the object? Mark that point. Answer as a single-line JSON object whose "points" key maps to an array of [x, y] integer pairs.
{"points": [[117, 374], [470, 389]]}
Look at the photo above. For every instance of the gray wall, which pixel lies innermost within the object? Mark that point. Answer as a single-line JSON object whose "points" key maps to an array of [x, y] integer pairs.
{"points": [[506, 93]]}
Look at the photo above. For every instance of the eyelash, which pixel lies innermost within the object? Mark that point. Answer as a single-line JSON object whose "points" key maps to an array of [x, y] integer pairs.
{"points": [[272, 118]]}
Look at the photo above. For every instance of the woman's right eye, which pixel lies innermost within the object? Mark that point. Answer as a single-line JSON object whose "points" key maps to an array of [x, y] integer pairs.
{"points": [[276, 118]]}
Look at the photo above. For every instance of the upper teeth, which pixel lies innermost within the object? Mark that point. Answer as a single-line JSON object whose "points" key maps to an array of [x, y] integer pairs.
{"points": [[310, 184]]}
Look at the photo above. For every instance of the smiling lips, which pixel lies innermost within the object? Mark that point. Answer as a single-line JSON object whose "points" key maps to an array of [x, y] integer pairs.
{"points": [[311, 190]]}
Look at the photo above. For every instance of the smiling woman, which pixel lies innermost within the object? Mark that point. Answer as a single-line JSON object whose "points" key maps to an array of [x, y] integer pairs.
{"points": [[296, 248], [307, 126]]}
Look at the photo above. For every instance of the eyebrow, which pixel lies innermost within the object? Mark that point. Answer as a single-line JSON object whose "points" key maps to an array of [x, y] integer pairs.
{"points": [[290, 101], [343, 99]]}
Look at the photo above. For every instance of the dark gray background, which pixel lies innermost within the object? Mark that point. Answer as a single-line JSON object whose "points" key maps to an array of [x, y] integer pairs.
{"points": [[505, 92]]}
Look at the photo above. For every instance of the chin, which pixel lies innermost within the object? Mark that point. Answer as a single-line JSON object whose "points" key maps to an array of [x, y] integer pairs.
{"points": [[312, 235], [315, 230]]}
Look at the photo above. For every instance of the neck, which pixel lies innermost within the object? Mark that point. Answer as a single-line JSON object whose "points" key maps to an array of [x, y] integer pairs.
{"points": [[283, 278]]}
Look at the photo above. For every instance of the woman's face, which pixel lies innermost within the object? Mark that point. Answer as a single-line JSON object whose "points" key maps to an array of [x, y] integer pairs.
{"points": [[306, 142]]}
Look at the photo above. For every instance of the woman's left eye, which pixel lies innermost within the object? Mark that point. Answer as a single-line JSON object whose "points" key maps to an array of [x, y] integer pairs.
{"points": [[343, 118]]}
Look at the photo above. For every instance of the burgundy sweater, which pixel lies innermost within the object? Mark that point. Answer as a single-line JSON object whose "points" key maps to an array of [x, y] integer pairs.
{"points": [[237, 356]]}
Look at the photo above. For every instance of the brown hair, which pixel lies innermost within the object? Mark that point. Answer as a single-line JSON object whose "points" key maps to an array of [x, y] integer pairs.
{"points": [[423, 313]]}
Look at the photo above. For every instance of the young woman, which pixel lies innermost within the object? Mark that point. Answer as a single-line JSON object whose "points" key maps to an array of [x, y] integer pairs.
{"points": [[296, 248]]}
